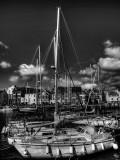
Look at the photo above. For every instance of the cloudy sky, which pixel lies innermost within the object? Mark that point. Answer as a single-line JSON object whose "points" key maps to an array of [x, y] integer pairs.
{"points": [[90, 38]]}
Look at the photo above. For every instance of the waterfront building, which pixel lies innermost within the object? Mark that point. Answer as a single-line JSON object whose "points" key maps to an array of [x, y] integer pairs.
{"points": [[10, 94], [17, 94], [30, 98], [113, 97], [67, 96], [46, 96]]}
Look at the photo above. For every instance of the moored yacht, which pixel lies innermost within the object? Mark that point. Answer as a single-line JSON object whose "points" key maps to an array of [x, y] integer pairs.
{"points": [[62, 142]]}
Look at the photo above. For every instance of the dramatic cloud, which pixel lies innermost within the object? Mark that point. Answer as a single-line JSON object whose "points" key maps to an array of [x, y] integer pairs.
{"points": [[77, 83], [108, 71], [113, 52], [95, 66], [112, 49], [5, 65], [104, 75], [45, 78], [25, 77], [72, 71], [88, 71], [108, 81], [25, 69], [108, 43], [84, 83], [13, 78], [109, 63], [3, 45], [88, 86], [85, 79], [62, 82], [113, 80]]}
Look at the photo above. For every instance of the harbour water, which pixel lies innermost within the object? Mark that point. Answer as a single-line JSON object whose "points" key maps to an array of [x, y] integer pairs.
{"points": [[9, 152]]}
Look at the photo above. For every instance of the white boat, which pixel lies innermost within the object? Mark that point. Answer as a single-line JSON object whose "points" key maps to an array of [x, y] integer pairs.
{"points": [[93, 121], [98, 121], [20, 127], [67, 143], [6, 108], [27, 109], [62, 142]]}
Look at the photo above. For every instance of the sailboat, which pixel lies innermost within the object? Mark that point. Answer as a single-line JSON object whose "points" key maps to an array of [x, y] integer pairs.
{"points": [[19, 126], [62, 142], [34, 108]]}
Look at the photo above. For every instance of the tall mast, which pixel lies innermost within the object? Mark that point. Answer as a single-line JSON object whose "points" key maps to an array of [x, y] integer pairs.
{"points": [[56, 66], [40, 77], [91, 77], [67, 89], [99, 82], [37, 83], [27, 92]]}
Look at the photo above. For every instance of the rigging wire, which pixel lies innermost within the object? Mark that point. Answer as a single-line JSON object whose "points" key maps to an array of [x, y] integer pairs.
{"points": [[70, 36], [34, 54], [48, 50], [46, 55], [32, 62], [65, 64]]}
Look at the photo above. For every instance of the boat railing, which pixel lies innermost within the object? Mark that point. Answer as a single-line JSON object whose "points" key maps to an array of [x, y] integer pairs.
{"points": [[101, 136]]}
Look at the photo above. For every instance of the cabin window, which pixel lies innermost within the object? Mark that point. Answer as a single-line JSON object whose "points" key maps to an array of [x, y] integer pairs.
{"points": [[47, 133], [64, 132], [87, 132], [65, 140], [49, 137], [83, 131], [79, 129]]}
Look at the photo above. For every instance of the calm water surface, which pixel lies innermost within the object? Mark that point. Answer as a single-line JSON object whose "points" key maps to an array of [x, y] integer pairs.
{"points": [[10, 153]]}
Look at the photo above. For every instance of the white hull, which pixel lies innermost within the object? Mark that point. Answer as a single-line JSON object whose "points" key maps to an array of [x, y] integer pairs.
{"points": [[28, 109], [6, 109], [66, 150], [97, 122]]}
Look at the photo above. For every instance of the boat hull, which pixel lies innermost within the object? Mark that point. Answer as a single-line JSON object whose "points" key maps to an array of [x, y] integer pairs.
{"points": [[33, 150], [99, 122]]}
